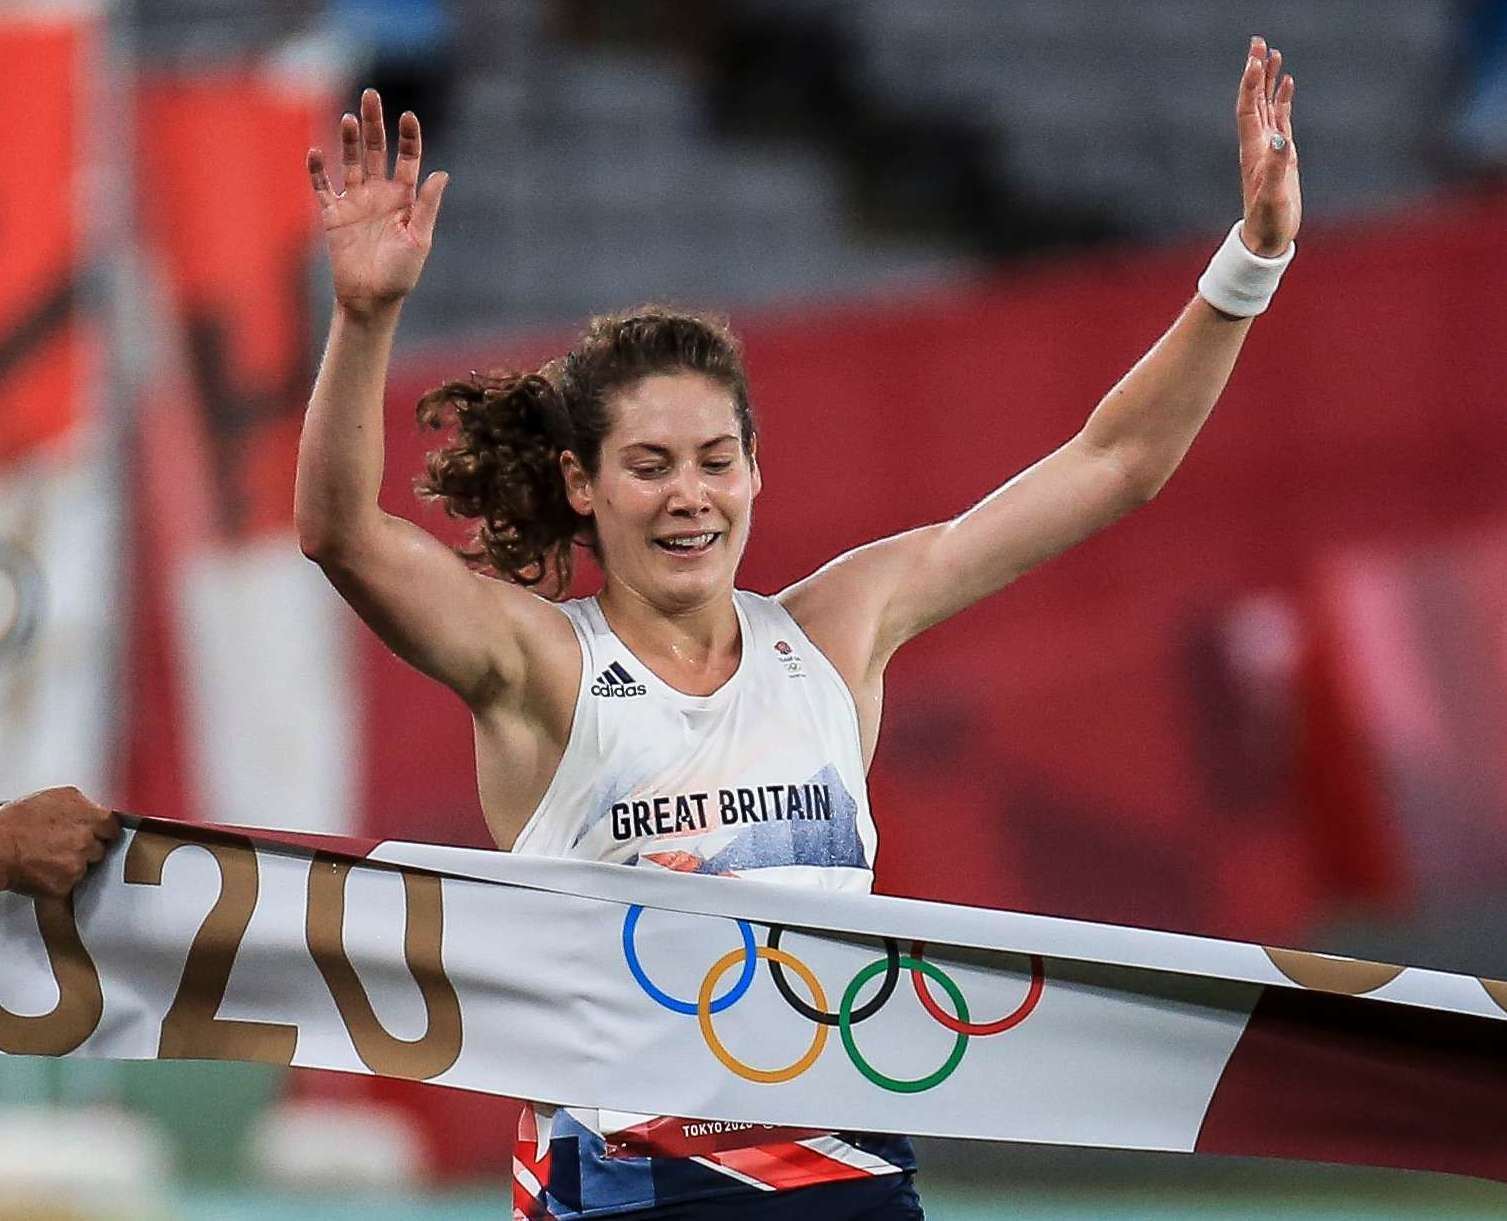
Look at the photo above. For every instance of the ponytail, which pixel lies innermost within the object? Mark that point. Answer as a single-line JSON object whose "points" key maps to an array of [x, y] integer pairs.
{"points": [[503, 469]]}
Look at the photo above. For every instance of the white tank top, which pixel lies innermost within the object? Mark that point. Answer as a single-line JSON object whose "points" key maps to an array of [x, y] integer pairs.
{"points": [[764, 778]]}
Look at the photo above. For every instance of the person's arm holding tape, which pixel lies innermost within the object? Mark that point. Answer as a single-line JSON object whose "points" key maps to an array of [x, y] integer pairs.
{"points": [[48, 840]]}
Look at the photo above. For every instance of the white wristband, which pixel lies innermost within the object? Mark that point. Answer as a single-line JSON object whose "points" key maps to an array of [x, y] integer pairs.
{"points": [[1240, 283]]}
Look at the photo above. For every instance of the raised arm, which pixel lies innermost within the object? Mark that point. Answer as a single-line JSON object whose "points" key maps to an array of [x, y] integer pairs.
{"points": [[412, 590], [864, 605]]}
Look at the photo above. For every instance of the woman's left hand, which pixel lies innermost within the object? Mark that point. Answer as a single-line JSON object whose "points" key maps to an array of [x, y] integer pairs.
{"points": [[1268, 155]]}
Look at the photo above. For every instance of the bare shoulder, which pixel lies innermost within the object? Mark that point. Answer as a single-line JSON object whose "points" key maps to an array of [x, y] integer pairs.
{"points": [[523, 729], [543, 660], [843, 605]]}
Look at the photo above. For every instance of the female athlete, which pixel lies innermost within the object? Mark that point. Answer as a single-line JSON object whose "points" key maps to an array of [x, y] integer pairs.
{"points": [[673, 720]]}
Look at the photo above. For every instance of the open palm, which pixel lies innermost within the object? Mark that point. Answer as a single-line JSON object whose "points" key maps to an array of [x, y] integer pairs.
{"points": [[1268, 155], [378, 228]]}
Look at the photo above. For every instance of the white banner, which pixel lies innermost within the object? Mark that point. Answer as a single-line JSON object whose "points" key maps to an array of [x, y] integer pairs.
{"points": [[729, 1000]]}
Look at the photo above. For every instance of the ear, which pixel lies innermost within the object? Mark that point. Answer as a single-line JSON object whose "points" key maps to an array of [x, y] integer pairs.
{"points": [[577, 483], [753, 461]]}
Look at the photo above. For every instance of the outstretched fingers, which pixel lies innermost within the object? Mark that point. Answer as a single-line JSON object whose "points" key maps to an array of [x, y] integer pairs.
{"points": [[426, 206], [373, 135], [410, 150], [1249, 104], [1273, 75], [350, 152], [1250, 84], [1284, 106], [1258, 55], [320, 179], [1263, 106]]}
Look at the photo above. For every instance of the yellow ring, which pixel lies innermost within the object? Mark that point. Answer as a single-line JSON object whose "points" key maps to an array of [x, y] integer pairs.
{"points": [[766, 1076]]}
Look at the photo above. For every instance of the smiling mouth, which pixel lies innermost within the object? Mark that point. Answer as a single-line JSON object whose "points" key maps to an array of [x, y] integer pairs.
{"points": [[689, 544]]}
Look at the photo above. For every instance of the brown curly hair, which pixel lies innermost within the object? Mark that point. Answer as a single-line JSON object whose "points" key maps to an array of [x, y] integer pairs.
{"points": [[503, 466]]}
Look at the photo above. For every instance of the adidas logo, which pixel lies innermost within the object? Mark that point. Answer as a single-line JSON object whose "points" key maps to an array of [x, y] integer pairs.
{"points": [[615, 681]]}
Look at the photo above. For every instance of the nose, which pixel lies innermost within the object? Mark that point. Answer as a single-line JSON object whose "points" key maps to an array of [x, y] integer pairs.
{"points": [[687, 493]]}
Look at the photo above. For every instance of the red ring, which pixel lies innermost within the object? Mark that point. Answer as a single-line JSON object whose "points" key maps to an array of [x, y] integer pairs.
{"points": [[1015, 1018]]}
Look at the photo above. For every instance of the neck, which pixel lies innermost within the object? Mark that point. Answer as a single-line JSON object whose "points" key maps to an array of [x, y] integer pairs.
{"points": [[700, 636]]}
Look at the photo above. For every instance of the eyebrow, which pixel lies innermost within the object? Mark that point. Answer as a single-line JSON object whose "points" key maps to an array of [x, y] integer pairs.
{"points": [[665, 449]]}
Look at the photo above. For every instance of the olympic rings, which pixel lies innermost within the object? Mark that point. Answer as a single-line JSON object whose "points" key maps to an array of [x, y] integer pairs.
{"points": [[861, 1014], [846, 1017], [771, 1076], [916, 966], [732, 996], [961, 1024]]}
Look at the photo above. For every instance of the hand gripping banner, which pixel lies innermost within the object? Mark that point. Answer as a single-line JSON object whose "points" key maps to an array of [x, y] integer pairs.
{"points": [[741, 1002]]}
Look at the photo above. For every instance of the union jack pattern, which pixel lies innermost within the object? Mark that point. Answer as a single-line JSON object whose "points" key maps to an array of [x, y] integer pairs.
{"points": [[570, 1173]]}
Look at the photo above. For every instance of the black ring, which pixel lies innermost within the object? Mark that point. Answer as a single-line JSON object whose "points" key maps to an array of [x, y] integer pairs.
{"points": [[863, 1012]]}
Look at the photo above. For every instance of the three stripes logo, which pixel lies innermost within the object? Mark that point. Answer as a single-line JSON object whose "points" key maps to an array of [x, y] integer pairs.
{"points": [[615, 681]]}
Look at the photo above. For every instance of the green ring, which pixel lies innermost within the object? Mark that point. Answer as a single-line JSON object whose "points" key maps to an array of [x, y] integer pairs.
{"points": [[845, 1026]]}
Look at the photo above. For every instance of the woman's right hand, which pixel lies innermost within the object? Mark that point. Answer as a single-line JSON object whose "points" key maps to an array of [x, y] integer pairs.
{"points": [[378, 228]]}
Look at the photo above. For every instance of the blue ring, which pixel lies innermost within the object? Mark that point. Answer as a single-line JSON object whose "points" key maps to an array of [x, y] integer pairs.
{"points": [[730, 997]]}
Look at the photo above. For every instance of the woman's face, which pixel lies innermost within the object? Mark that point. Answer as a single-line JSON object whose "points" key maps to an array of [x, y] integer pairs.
{"points": [[673, 493]]}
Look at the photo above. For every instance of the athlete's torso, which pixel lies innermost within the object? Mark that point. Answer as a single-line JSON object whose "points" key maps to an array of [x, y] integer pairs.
{"points": [[764, 778], [765, 774]]}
